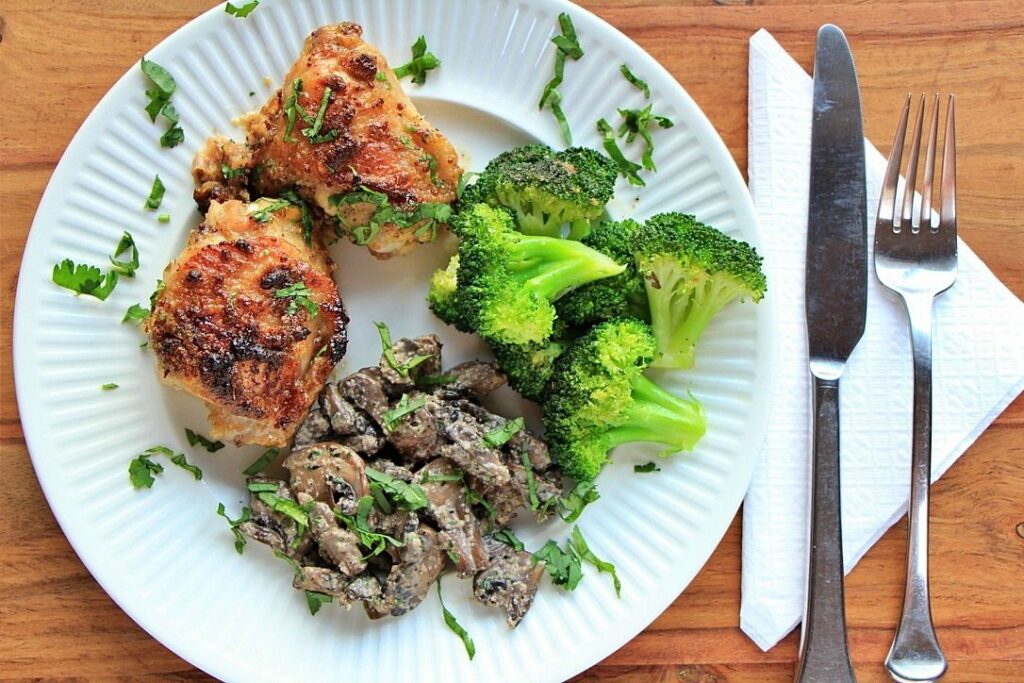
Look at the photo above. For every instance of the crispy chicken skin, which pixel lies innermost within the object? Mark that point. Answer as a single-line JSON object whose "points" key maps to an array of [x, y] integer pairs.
{"points": [[371, 137], [220, 333]]}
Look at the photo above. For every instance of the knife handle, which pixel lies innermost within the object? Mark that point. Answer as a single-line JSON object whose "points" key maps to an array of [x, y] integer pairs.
{"points": [[824, 654]]}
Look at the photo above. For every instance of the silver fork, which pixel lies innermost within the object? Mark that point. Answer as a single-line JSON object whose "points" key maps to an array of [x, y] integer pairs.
{"points": [[916, 259]]}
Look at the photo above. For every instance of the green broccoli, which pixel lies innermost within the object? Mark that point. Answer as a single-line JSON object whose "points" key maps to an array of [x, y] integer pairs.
{"points": [[441, 296], [691, 271], [506, 282], [528, 367], [614, 297], [598, 398], [547, 189]]}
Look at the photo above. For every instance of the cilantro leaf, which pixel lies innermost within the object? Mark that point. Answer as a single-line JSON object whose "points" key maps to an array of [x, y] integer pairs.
{"points": [[399, 493], [627, 169], [108, 386], [499, 436], [135, 314], [564, 566], [571, 507], [159, 76], [649, 467], [179, 460], [156, 195], [637, 122], [286, 507], [305, 215], [508, 537], [173, 137], [388, 351], [453, 624], [264, 213], [375, 542], [312, 133], [84, 279], [126, 243], [199, 439], [241, 11], [568, 46]]}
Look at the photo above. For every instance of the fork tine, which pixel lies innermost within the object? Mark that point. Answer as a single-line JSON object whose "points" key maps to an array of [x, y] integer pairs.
{"points": [[929, 169], [947, 214], [887, 200], [910, 184]]}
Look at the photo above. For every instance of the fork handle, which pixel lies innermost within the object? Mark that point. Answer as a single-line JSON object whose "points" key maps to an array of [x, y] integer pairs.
{"points": [[824, 655], [915, 654]]}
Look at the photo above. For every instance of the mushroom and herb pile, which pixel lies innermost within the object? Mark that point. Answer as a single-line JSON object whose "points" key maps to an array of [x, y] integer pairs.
{"points": [[399, 472]]}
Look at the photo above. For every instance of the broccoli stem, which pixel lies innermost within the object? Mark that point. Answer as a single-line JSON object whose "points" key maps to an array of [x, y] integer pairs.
{"points": [[680, 320], [659, 416], [538, 224], [578, 229], [551, 266]]}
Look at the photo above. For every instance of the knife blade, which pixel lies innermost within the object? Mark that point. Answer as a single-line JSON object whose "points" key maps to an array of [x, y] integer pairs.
{"points": [[836, 307]]}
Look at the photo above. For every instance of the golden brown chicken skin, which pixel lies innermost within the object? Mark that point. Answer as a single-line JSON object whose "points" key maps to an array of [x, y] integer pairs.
{"points": [[341, 123], [249, 320]]}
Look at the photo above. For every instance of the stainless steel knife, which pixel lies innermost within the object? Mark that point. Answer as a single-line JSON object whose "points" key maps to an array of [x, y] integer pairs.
{"points": [[836, 305]]}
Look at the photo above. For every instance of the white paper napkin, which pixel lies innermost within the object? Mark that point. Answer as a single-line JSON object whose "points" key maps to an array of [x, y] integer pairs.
{"points": [[978, 365]]}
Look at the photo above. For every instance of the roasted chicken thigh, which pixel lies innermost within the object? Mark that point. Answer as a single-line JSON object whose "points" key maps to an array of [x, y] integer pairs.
{"points": [[344, 136], [249, 320]]}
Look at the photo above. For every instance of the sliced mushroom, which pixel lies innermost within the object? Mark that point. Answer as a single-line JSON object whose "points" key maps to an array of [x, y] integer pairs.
{"points": [[391, 469], [407, 352], [341, 414], [338, 545], [314, 428], [536, 449], [365, 390], [421, 559], [273, 528], [475, 378], [510, 580], [330, 473], [417, 435], [447, 506], [344, 590]]}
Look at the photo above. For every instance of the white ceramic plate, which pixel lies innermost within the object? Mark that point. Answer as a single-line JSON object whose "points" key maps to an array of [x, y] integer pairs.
{"points": [[164, 555]]}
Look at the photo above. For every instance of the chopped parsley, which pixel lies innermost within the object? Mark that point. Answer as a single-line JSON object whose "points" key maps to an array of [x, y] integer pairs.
{"points": [[580, 548], [141, 471], [305, 215], [261, 464], [286, 507], [564, 566], [241, 11], [637, 82], [422, 62], [638, 122], [375, 542], [508, 537], [474, 498], [627, 169], [570, 507], [405, 405], [441, 477], [390, 493], [314, 600], [108, 386], [299, 295], [452, 623], [499, 436], [156, 195], [142, 468], [388, 350], [264, 213], [198, 439], [568, 46], [125, 244], [649, 467], [437, 380], [84, 279], [425, 217], [164, 218], [160, 286], [231, 173], [234, 524], [160, 101], [292, 110], [312, 133]]}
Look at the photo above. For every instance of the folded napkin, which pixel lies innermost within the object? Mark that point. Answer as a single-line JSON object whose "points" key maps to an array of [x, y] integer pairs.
{"points": [[978, 365]]}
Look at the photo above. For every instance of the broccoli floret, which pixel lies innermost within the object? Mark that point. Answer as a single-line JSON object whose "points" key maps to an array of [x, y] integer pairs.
{"points": [[528, 367], [691, 271], [441, 296], [506, 281], [598, 398], [547, 189], [614, 297]]}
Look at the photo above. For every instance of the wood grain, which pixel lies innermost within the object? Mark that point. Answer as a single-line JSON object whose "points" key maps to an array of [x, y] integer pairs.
{"points": [[58, 58]]}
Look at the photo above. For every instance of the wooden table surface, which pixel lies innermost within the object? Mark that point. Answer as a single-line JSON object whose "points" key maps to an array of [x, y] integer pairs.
{"points": [[58, 58]]}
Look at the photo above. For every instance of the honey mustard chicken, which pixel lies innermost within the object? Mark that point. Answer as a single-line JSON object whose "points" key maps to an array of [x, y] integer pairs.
{"points": [[343, 136], [249, 320]]}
